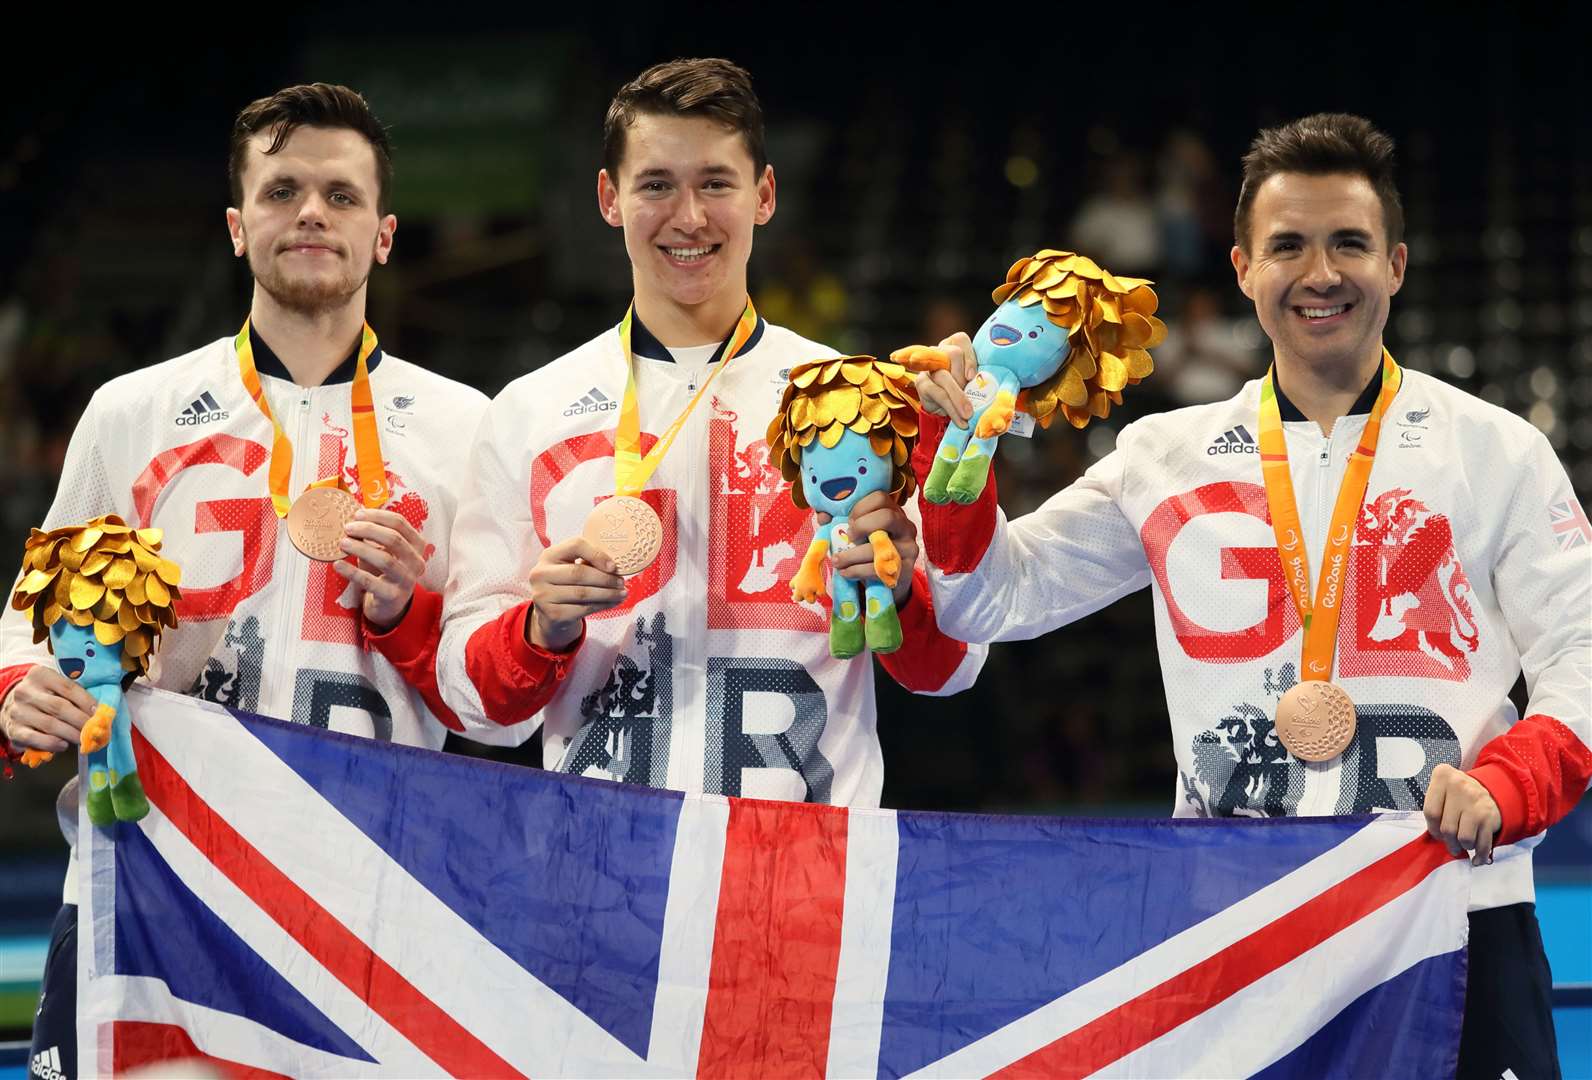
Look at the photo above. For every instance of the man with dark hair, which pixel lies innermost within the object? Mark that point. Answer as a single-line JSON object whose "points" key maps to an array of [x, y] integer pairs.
{"points": [[1322, 145], [697, 672], [316, 105], [216, 447], [1442, 529]]}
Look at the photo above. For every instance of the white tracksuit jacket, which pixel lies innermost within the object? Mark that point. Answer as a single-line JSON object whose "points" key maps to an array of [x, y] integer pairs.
{"points": [[180, 445], [1471, 560], [709, 677]]}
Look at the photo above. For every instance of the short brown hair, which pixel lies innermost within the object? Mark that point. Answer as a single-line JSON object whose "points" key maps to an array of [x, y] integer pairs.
{"points": [[1321, 145], [315, 105], [716, 89]]}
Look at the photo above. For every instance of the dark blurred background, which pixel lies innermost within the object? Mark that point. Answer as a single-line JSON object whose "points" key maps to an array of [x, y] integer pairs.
{"points": [[913, 167]]}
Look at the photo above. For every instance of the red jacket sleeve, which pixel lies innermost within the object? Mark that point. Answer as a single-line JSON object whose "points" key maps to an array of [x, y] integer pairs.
{"points": [[514, 678], [955, 536], [9, 677], [1536, 772], [928, 657], [411, 647]]}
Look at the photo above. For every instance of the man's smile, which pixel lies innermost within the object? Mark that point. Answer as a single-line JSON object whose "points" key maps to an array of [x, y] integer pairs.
{"points": [[689, 255], [1319, 315]]}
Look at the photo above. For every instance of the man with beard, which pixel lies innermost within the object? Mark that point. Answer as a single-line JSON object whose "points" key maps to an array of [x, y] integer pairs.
{"points": [[216, 446]]}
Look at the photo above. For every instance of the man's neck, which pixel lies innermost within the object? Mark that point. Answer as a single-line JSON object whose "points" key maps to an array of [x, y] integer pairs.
{"points": [[678, 326], [1325, 392], [310, 346]]}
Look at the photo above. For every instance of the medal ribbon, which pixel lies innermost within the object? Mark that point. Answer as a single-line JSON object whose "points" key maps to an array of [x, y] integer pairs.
{"points": [[631, 470], [1321, 633], [367, 441]]}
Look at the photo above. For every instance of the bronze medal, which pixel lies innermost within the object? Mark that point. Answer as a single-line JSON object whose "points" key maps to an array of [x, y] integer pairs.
{"points": [[315, 522], [628, 530], [1315, 720]]}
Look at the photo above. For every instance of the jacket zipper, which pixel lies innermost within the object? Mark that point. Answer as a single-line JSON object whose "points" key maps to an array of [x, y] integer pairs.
{"points": [[292, 586], [694, 506]]}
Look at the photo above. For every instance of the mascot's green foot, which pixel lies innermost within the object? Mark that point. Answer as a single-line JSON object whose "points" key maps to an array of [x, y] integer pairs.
{"points": [[884, 627], [971, 476], [128, 799], [845, 631], [100, 810], [934, 489]]}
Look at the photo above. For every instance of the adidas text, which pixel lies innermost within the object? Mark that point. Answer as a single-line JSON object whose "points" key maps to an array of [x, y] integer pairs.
{"points": [[194, 419], [204, 410], [593, 400], [580, 408], [46, 1065], [1236, 440]]}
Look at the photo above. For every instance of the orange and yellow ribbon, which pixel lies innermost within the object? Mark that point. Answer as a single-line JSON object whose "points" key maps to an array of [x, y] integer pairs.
{"points": [[1319, 619], [367, 441], [631, 470]]}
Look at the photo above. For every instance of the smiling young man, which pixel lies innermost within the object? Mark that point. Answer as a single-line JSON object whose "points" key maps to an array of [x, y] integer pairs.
{"points": [[1342, 535], [699, 672], [213, 448]]}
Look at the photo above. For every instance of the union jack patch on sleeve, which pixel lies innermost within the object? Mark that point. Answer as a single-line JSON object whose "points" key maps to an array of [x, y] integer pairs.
{"points": [[1570, 524]]}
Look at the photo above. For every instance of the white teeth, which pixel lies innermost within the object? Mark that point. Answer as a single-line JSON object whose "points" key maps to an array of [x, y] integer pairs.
{"points": [[1323, 312], [689, 253]]}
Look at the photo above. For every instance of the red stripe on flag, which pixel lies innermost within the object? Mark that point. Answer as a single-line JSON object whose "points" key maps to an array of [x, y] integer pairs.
{"points": [[776, 944], [1158, 1010], [416, 1017], [135, 1044]]}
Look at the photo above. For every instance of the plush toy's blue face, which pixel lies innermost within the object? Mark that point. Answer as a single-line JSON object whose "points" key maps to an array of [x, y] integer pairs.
{"points": [[1022, 340], [81, 657], [834, 478]]}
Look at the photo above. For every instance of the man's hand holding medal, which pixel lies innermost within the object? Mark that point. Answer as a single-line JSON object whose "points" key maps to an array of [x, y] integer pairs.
{"points": [[622, 535]]}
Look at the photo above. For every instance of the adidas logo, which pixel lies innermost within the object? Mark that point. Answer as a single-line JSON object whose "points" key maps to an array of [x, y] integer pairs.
{"points": [[1233, 441], [204, 410], [593, 400], [46, 1065]]}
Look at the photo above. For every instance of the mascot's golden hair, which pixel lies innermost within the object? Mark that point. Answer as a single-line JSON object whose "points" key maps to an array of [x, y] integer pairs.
{"points": [[106, 575], [875, 398], [1110, 324]]}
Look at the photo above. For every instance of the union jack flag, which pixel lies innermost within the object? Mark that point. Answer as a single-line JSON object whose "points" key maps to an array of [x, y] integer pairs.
{"points": [[1569, 524], [301, 903]]}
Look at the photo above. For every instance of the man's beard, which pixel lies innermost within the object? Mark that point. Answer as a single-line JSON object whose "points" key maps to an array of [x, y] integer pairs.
{"points": [[307, 297]]}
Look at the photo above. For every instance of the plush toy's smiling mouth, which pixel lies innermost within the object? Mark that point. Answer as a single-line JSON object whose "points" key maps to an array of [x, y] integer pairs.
{"points": [[71, 666], [1004, 335], [839, 487]]}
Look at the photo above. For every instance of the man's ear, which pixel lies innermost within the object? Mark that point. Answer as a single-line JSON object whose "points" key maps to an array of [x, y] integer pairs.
{"points": [[1401, 257], [765, 196], [1241, 268], [384, 237], [235, 230], [608, 200]]}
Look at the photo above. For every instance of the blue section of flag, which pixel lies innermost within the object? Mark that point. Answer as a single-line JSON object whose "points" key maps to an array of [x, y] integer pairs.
{"points": [[1393, 1029], [995, 916], [569, 877], [164, 931]]}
